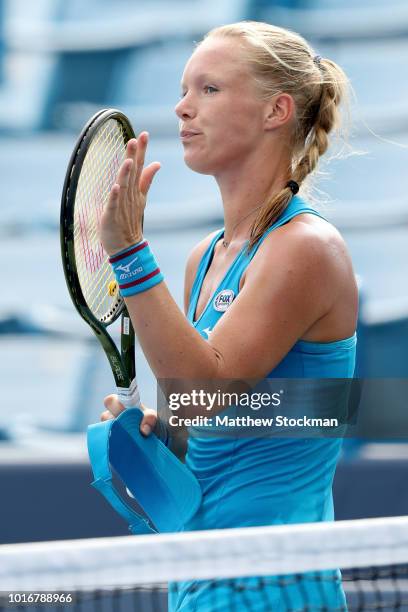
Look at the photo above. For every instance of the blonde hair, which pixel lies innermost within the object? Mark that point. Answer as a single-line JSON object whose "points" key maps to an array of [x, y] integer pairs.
{"points": [[282, 61]]}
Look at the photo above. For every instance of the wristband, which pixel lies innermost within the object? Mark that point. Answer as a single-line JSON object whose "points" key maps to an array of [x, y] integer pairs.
{"points": [[136, 269]]}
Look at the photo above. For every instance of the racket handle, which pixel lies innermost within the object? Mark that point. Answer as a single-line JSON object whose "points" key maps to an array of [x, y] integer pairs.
{"points": [[129, 396]]}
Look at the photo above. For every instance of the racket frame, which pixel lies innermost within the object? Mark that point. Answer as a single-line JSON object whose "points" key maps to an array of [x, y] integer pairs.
{"points": [[121, 362]]}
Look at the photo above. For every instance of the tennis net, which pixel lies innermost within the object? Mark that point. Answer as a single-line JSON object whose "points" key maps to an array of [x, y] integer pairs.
{"points": [[278, 568]]}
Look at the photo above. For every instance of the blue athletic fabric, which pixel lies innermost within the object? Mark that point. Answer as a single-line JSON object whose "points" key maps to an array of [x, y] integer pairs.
{"points": [[117, 445], [263, 481]]}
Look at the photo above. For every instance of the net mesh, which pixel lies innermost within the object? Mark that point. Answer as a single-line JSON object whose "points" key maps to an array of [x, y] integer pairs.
{"points": [[99, 171], [279, 568]]}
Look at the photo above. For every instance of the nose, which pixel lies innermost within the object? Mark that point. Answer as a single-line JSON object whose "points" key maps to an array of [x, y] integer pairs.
{"points": [[184, 109]]}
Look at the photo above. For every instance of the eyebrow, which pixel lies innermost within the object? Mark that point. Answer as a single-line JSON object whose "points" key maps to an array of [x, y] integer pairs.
{"points": [[202, 77]]}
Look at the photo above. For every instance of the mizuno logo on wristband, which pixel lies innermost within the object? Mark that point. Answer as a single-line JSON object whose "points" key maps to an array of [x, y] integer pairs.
{"points": [[130, 274], [126, 268]]}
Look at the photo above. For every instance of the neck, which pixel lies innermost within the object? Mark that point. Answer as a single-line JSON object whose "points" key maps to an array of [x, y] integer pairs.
{"points": [[242, 195]]}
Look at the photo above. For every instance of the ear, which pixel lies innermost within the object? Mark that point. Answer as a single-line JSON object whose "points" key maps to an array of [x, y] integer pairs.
{"points": [[278, 110]]}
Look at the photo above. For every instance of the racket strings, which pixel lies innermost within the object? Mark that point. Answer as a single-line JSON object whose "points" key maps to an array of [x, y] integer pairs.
{"points": [[98, 174], [100, 187]]}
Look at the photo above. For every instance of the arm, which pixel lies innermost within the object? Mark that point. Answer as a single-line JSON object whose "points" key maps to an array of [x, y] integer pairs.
{"points": [[291, 283], [288, 287], [112, 404]]}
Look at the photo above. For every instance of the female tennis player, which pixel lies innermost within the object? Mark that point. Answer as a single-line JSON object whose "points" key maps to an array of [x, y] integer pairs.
{"points": [[270, 295]]}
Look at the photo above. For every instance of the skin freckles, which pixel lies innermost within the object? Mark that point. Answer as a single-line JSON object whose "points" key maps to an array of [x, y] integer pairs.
{"points": [[242, 139], [218, 97]]}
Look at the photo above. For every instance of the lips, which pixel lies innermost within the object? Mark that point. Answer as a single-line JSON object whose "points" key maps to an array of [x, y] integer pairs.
{"points": [[188, 133]]}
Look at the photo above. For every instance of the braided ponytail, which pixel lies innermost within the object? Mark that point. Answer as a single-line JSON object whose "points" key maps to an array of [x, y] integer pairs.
{"points": [[281, 60], [327, 118]]}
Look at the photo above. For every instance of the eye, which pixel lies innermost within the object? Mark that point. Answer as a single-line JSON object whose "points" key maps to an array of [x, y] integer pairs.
{"points": [[210, 89], [183, 93]]}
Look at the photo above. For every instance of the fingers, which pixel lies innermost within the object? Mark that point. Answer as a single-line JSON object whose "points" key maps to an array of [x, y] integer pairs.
{"points": [[114, 196], [135, 179], [141, 177], [148, 422], [131, 153], [124, 178], [120, 188], [135, 151], [113, 405], [140, 154], [147, 177]]}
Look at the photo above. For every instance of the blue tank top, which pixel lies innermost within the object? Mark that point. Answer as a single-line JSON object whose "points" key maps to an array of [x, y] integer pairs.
{"points": [[263, 481]]}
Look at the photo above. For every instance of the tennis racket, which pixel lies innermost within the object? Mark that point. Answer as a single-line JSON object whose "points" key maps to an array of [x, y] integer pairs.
{"points": [[91, 173]]}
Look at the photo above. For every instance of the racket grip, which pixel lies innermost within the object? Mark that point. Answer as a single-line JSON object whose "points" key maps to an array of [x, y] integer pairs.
{"points": [[129, 396]]}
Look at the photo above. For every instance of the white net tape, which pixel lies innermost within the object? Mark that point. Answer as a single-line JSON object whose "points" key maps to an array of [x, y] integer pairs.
{"points": [[154, 559]]}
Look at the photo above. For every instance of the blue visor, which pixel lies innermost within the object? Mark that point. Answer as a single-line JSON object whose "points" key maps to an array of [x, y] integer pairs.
{"points": [[164, 488]]}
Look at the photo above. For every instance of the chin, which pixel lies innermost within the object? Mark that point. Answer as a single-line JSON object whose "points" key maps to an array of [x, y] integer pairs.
{"points": [[201, 166]]}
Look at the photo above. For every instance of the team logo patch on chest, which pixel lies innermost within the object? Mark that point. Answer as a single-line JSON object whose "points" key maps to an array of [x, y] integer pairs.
{"points": [[223, 300]]}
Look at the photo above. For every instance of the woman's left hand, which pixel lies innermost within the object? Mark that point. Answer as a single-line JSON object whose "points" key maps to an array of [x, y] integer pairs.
{"points": [[121, 221], [114, 408]]}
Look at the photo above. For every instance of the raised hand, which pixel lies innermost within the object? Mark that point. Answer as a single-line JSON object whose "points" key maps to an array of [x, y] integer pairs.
{"points": [[122, 218]]}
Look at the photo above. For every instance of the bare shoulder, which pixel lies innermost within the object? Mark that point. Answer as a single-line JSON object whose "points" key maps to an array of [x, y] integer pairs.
{"points": [[192, 264], [311, 252], [307, 240], [310, 232]]}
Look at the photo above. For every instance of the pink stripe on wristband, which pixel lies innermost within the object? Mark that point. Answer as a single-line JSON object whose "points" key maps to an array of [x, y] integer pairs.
{"points": [[135, 249], [140, 280]]}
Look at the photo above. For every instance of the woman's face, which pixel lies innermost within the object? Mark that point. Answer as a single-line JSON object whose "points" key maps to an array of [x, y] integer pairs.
{"points": [[221, 118]]}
